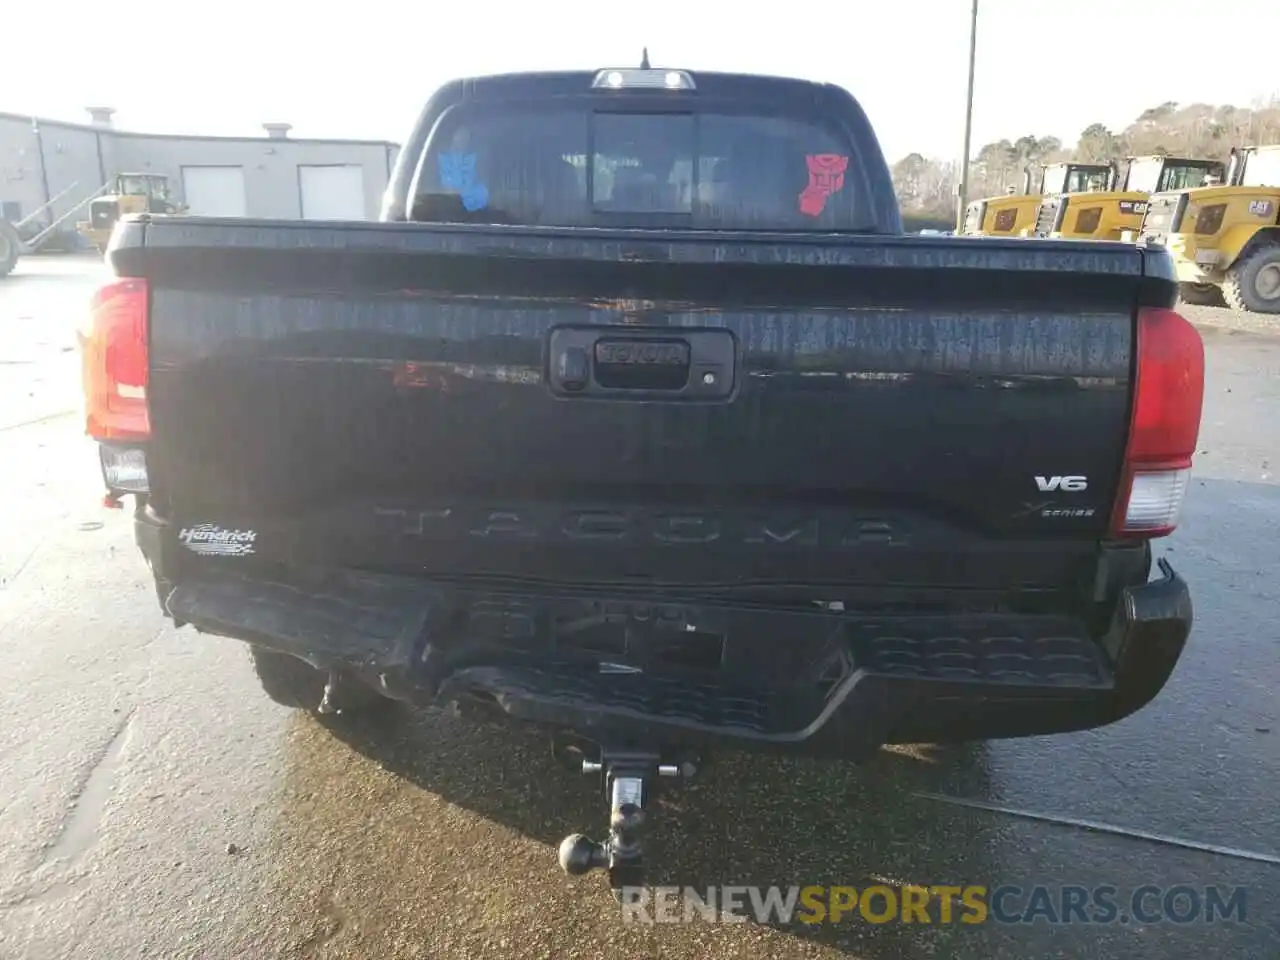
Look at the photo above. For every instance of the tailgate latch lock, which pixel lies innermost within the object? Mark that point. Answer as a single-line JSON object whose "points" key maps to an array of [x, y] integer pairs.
{"points": [[573, 369], [643, 364]]}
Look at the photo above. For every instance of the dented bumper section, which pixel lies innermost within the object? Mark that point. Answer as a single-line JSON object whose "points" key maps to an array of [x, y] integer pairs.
{"points": [[644, 669]]}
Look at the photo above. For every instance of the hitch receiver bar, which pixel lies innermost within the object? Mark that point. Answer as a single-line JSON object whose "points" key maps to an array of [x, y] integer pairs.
{"points": [[628, 777]]}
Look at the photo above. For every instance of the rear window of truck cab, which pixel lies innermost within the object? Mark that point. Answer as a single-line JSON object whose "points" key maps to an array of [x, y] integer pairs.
{"points": [[583, 164]]}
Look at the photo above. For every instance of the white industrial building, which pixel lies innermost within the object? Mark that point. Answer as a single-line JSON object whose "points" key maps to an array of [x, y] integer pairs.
{"points": [[274, 175]]}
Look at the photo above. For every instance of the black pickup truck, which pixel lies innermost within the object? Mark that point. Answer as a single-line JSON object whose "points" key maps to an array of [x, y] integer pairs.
{"points": [[638, 417]]}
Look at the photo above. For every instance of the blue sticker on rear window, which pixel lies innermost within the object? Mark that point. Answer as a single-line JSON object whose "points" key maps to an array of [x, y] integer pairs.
{"points": [[458, 173]]}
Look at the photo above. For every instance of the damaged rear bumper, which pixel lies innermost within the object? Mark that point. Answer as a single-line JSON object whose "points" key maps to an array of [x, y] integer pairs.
{"points": [[667, 671]]}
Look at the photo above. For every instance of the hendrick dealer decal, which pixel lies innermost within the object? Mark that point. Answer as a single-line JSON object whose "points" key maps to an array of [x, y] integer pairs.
{"points": [[211, 540]]}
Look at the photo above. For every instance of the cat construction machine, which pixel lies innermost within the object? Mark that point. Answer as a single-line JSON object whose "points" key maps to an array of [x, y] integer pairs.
{"points": [[1116, 212], [125, 193], [1225, 238], [26, 236], [1010, 215], [129, 193]]}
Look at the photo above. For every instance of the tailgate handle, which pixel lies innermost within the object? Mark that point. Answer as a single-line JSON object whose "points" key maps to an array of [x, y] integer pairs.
{"points": [[642, 363]]}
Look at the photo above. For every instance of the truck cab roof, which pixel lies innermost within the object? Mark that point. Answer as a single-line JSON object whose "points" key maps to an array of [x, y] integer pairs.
{"points": [[568, 82]]}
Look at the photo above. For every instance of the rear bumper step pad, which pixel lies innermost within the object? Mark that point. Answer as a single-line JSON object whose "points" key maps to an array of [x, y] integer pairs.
{"points": [[813, 681]]}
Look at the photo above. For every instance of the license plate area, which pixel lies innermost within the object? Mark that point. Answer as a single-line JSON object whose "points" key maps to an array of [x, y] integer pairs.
{"points": [[642, 363]]}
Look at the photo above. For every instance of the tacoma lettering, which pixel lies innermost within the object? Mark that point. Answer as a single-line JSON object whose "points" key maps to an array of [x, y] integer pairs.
{"points": [[638, 526]]}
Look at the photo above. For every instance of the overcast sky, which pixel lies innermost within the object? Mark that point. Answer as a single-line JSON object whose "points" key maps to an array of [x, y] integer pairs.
{"points": [[362, 69]]}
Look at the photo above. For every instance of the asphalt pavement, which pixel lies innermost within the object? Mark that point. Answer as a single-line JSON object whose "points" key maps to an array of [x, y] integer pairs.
{"points": [[154, 803]]}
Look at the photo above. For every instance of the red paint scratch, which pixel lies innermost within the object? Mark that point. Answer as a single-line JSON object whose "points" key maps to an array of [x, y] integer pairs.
{"points": [[407, 375]]}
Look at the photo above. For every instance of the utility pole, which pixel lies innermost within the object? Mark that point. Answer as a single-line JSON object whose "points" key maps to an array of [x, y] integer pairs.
{"points": [[968, 119]]}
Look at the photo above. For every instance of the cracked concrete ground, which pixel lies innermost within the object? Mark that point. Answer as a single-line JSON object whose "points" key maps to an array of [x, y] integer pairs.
{"points": [[154, 803]]}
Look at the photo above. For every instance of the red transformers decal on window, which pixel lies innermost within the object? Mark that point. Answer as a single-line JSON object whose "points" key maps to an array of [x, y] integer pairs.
{"points": [[826, 176]]}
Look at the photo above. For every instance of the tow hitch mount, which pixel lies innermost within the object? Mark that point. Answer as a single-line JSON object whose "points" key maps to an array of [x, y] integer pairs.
{"points": [[628, 778]]}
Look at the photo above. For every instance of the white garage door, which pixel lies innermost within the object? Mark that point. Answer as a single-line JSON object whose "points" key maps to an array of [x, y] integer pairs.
{"points": [[214, 191], [332, 192]]}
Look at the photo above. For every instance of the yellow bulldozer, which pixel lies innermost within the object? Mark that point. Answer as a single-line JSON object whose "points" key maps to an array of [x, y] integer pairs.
{"points": [[1225, 238], [1010, 215], [1117, 211], [128, 193]]}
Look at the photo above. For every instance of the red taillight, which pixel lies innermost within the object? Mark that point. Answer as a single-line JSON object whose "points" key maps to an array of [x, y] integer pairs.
{"points": [[114, 362], [1168, 394]]}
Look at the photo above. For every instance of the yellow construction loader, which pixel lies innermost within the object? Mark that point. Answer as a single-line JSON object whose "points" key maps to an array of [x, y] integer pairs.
{"points": [[1112, 213], [129, 193], [1010, 215], [1225, 239]]}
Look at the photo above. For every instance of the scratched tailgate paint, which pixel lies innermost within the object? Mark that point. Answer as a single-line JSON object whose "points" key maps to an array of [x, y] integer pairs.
{"points": [[390, 382]]}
